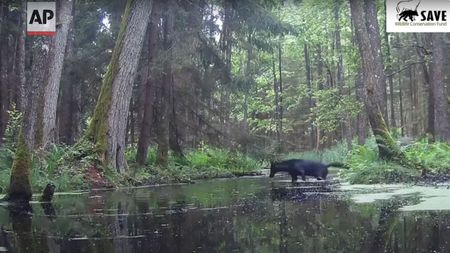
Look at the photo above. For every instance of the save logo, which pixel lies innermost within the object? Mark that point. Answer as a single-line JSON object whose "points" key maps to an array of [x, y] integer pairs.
{"points": [[417, 15], [41, 18], [407, 13]]}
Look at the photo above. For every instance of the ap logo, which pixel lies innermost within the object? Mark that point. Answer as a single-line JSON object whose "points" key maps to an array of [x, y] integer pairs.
{"points": [[41, 18]]}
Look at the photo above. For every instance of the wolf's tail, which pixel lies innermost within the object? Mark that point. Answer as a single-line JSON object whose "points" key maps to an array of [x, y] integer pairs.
{"points": [[338, 165]]}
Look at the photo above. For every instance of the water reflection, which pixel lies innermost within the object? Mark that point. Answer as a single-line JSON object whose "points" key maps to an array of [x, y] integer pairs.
{"points": [[244, 215]]}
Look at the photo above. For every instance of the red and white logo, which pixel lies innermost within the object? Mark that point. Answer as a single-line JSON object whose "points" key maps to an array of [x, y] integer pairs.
{"points": [[41, 18]]}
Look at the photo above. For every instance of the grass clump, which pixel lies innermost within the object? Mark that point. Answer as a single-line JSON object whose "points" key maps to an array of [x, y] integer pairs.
{"points": [[367, 168], [434, 155], [203, 163], [336, 153]]}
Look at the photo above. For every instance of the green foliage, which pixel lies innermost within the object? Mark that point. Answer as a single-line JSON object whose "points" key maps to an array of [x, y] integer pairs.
{"points": [[381, 172], [12, 128], [223, 160], [336, 153], [62, 165], [206, 162], [331, 109], [66, 167], [367, 167], [435, 156]]}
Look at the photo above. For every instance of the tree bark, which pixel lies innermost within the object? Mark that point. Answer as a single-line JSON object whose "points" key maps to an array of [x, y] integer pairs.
{"points": [[374, 86], [309, 85], [163, 125], [38, 77], [69, 109], [374, 82], [421, 51], [362, 123], [391, 81], [3, 69], [56, 61], [151, 82], [400, 94], [21, 57], [276, 101], [174, 133], [373, 31], [20, 180], [108, 126], [280, 89], [148, 104], [440, 89]]}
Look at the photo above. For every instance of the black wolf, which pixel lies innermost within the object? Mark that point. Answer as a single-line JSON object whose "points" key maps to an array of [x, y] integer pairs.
{"points": [[303, 168]]}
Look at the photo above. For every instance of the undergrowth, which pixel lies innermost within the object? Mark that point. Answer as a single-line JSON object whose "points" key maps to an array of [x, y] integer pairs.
{"points": [[66, 167], [203, 163], [367, 168]]}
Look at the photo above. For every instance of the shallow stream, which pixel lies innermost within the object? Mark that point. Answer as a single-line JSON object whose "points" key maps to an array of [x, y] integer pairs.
{"points": [[255, 214]]}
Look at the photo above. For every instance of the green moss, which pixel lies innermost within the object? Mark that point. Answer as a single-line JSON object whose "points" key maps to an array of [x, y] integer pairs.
{"points": [[20, 182], [97, 131], [389, 150]]}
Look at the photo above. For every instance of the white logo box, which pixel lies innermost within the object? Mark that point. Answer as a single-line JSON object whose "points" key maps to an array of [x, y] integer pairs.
{"points": [[41, 18], [417, 16]]}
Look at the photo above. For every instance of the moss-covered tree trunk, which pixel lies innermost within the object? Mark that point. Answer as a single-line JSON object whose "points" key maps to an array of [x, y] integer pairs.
{"points": [[375, 83], [108, 126], [20, 182]]}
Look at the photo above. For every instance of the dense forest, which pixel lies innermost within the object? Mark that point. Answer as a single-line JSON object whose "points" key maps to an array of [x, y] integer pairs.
{"points": [[143, 91]]}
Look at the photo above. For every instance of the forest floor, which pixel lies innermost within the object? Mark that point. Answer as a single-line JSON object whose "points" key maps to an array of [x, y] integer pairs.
{"points": [[208, 163], [367, 168], [72, 169]]}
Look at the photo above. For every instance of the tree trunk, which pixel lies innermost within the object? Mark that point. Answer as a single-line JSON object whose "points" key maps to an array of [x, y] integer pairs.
{"points": [[309, 85], [174, 133], [276, 101], [163, 125], [4, 58], [56, 61], [400, 94], [374, 86], [69, 108], [421, 51], [391, 81], [21, 57], [151, 82], [280, 89], [34, 96], [373, 31], [440, 90], [108, 126], [20, 180], [362, 123]]}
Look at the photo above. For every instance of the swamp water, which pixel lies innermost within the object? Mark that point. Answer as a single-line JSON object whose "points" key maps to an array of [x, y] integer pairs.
{"points": [[236, 215]]}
